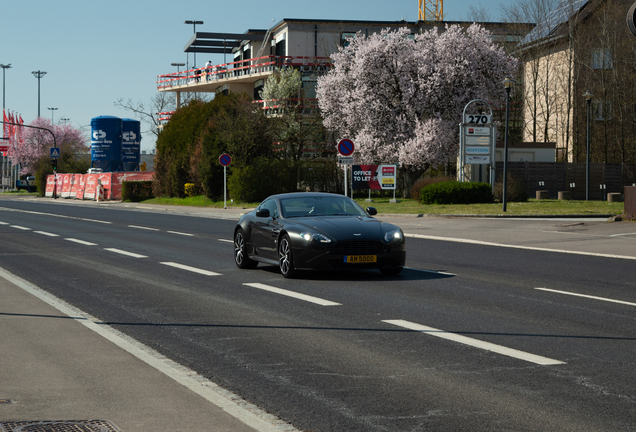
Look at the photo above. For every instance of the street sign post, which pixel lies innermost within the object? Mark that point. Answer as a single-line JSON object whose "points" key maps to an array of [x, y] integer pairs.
{"points": [[225, 159], [346, 148]]}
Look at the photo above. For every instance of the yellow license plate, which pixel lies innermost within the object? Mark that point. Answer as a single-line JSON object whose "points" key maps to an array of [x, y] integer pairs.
{"points": [[359, 259]]}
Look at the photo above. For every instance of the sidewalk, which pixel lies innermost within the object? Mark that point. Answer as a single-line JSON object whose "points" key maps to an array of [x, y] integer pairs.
{"points": [[55, 367]]}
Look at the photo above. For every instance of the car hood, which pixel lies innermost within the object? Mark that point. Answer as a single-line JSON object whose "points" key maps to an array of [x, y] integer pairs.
{"points": [[342, 228]]}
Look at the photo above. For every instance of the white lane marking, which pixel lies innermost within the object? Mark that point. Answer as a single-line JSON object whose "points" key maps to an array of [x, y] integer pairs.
{"points": [[20, 227], [430, 271], [81, 242], [192, 269], [47, 233], [483, 243], [295, 295], [510, 352], [143, 228], [4, 223], [226, 240], [93, 220], [229, 402], [587, 296], [52, 215], [181, 233], [123, 252], [626, 234]]}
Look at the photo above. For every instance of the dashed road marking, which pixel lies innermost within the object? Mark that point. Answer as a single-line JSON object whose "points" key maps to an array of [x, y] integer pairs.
{"points": [[181, 233], [123, 252], [46, 233], [20, 227], [143, 228], [510, 352], [82, 242], [192, 269], [293, 294], [587, 296]]}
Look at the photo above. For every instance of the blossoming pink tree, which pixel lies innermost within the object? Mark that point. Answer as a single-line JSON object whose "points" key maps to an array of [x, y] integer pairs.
{"points": [[35, 145], [400, 96]]}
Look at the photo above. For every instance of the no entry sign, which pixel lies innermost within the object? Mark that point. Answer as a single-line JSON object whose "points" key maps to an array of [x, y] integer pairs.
{"points": [[225, 159], [346, 147]]}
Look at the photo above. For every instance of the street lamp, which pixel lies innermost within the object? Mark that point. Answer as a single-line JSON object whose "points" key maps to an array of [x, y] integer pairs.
{"points": [[52, 111], [588, 99], [38, 74], [194, 27], [177, 65], [508, 82], [4, 68]]}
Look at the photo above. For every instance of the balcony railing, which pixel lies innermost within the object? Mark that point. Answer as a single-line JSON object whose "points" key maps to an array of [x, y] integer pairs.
{"points": [[279, 106], [241, 68]]}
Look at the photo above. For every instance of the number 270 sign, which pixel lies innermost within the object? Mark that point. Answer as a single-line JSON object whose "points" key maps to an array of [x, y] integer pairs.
{"points": [[477, 119]]}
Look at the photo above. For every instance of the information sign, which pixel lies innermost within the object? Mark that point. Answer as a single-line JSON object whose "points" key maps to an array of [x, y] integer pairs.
{"points": [[477, 119], [55, 152], [474, 130], [477, 160], [478, 140], [483, 150], [345, 160]]}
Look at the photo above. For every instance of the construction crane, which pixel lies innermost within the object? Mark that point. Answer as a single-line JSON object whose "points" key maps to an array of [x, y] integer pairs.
{"points": [[431, 10]]}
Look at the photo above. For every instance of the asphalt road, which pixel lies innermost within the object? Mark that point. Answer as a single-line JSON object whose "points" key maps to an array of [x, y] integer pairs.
{"points": [[469, 337]]}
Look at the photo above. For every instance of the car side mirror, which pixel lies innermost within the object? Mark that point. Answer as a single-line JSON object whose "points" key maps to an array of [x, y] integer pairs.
{"points": [[262, 212], [372, 211]]}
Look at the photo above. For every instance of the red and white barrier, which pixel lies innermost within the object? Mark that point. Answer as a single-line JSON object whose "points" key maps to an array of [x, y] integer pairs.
{"points": [[85, 186]]}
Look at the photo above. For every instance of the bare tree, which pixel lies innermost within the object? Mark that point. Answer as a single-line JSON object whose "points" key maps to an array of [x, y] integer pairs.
{"points": [[478, 14]]}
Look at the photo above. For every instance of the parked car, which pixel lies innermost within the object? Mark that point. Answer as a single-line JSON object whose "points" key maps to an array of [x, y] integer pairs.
{"points": [[27, 183], [316, 231]]}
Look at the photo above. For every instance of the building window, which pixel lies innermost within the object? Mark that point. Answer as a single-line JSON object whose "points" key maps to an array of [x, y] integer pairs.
{"points": [[602, 58], [345, 38], [601, 110]]}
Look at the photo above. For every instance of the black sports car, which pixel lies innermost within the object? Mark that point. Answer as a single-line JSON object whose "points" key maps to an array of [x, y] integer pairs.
{"points": [[314, 231]]}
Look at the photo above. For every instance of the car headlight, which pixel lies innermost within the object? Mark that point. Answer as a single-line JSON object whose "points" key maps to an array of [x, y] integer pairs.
{"points": [[316, 237], [392, 236]]}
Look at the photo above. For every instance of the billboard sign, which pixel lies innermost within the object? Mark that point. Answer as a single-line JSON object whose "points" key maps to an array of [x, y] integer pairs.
{"points": [[376, 177]]}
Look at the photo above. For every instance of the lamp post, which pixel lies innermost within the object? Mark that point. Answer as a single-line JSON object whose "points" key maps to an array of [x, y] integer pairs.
{"points": [[4, 68], [194, 25], [38, 74], [177, 65], [588, 100], [65, 120], [508, 82], [52, 111]]}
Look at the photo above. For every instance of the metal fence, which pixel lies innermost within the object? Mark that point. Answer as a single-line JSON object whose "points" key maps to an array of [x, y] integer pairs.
{"points": [[562, 176]]}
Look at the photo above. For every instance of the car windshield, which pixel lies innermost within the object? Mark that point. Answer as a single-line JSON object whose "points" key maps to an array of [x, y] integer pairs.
{"points": [[320, 206]]}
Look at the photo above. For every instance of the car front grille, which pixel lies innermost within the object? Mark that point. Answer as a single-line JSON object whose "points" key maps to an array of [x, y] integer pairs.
{"points": [[360, 247]]}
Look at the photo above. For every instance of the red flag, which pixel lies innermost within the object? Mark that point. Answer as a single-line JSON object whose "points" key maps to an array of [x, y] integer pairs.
{"points": [[21, 132], [6, 126]]}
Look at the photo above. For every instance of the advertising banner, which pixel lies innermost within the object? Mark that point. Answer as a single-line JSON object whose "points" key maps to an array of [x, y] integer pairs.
{"points": [[59, 185], [120, 177], [374, 177], [66, 187], [50, 185]]}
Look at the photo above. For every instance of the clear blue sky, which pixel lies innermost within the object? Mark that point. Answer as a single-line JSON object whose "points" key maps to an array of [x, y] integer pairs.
{"points": [[96, 52]]}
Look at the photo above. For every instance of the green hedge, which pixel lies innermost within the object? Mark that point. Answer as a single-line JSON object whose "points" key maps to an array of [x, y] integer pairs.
{"points": [[454, 192], [136, 191]]}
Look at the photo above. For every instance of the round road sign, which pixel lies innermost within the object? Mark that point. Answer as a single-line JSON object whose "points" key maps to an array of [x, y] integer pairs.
{"points": [[225, 159], [346, 147]]}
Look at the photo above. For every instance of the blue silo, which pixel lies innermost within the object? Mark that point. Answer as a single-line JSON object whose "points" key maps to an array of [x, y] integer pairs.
{"points": [[106, 135], [131, 145]]}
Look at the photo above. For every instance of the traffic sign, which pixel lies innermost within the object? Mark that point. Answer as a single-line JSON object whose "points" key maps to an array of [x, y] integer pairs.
{"points": [[345, 160], [225, 159], [346, 147], [55, 152]]}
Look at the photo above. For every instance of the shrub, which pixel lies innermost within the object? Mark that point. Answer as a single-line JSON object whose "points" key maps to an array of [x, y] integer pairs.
{"points": [[136, 191], [264, 177], [425, 181], [454, 192], [190, 190], [517, 190]]}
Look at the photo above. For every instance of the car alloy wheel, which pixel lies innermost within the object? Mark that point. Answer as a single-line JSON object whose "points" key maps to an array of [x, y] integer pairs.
{"points": [[240, 252], [285, 259]]}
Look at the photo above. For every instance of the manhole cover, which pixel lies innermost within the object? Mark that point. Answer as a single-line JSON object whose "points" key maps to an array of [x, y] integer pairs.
{"points": [[59, 426]]}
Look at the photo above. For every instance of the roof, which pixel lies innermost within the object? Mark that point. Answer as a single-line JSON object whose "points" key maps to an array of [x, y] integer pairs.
{"points": [[553, 21]]}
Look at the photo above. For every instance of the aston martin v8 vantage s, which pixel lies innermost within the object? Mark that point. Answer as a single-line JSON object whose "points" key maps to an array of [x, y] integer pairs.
{"points": [[316, 231]]}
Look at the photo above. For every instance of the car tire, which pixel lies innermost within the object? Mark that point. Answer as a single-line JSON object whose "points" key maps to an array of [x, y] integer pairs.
{"points": [[285, 258], [241, 258], [391, 271]]}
